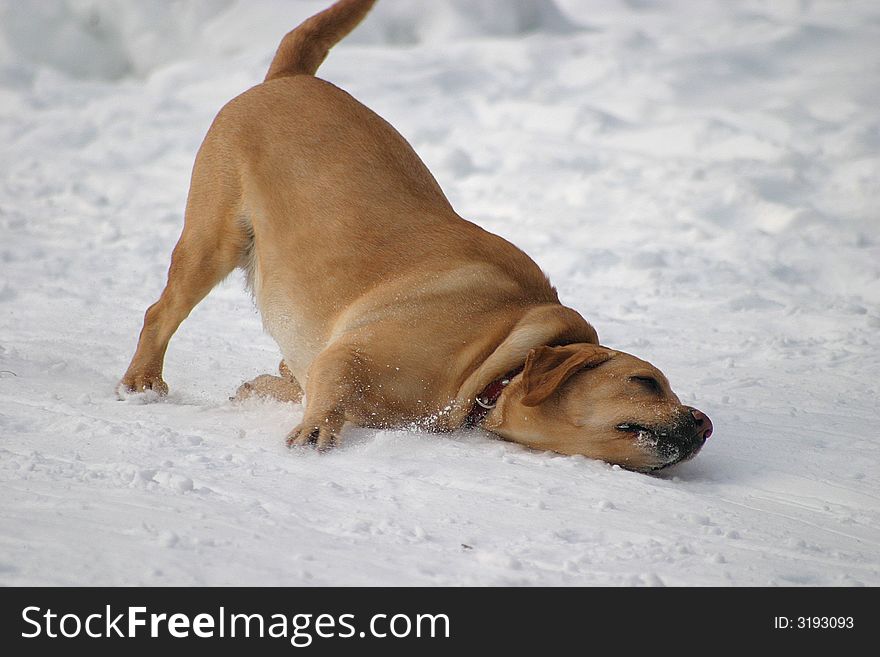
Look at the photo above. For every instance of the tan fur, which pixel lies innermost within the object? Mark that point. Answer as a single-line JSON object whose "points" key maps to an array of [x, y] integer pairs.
{"points": [[387, 306], [283, 388]]}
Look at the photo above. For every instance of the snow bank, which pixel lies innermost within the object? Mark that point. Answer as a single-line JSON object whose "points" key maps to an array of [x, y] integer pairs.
{"points": [[415, 21], [108, 39], [105, 39]]}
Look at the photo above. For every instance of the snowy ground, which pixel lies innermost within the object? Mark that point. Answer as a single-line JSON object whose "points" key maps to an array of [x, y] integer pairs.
{"points": [[700, 180]]}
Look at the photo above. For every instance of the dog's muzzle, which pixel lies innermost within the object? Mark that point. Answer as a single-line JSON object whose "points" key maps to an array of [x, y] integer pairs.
{"points": [[678, 442], [687, 437]]}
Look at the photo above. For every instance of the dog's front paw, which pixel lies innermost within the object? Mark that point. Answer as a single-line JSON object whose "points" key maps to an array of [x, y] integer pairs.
{"points": [[322, 438], [270, 387], [246, 391], [141, 382]]}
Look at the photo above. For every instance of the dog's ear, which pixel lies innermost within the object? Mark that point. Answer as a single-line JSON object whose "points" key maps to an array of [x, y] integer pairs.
{"points": [[547, 368]]}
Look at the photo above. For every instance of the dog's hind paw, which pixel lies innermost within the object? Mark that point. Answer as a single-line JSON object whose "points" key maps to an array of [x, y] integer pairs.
{"points": [[134, 384]]}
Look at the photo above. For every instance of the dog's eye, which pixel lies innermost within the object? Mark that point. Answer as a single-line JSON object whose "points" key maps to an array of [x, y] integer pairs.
{"points": [[648, 383]]}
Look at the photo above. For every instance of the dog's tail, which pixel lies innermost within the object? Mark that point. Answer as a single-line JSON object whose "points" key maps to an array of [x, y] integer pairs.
{"points": [[304, 49]]}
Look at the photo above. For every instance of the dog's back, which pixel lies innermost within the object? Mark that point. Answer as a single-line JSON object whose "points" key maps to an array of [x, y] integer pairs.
{"points": [[342, 212]]}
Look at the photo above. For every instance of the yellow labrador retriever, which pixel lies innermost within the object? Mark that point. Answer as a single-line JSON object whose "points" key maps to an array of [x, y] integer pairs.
{"points": [[388, 307]]}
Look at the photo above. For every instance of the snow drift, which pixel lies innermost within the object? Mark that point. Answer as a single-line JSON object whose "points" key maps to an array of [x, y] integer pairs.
{"points": [[109, 39]]}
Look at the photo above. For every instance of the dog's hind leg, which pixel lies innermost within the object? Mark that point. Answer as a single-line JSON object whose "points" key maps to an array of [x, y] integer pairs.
{"points": [[215, 240]]}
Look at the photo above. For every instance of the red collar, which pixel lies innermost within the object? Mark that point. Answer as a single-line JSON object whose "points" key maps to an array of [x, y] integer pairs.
{"points": [[486, 400]]}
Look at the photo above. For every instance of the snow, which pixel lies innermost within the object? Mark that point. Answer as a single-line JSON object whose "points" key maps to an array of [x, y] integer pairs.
{"points": [[701, 183]]}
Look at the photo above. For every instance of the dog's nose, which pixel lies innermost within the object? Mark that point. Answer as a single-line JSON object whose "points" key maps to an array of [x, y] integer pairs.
{"points": [[704, 424]]}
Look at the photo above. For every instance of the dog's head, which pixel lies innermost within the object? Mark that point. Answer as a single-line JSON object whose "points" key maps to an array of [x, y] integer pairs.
{"points": [[604, 404]]}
